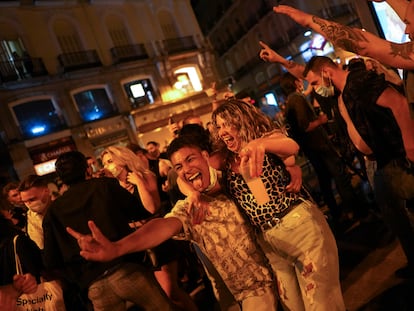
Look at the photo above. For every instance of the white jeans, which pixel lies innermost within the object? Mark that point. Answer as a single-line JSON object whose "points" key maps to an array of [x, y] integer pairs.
{"points": [[303, 253]]}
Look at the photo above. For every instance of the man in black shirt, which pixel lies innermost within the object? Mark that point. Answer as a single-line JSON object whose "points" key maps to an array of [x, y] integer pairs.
{"points": [[306, 128], [379, 125], [110, 285]]}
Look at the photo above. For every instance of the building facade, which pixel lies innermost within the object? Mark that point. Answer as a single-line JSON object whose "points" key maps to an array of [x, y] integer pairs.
{"points": [[79, 74], [235, 27], [84, 75]]}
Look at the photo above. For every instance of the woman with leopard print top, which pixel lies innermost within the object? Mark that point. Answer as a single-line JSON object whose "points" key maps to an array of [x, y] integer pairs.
{"points": [[295, 235]]}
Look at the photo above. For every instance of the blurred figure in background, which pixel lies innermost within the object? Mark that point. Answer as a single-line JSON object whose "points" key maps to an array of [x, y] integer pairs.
{"points": [[18, 209]]}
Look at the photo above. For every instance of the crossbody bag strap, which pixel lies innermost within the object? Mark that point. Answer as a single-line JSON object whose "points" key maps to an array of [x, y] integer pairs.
{"points": [[19, 269]]}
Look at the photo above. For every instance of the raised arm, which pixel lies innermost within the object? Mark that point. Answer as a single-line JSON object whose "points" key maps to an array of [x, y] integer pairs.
{"points": [[276, 143], [147, 188], [269, 55], [97, 247], [356, 40]]}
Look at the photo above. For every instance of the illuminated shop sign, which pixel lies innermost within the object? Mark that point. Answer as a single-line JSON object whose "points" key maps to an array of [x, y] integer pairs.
{"points": [[44, 155], [45, 167]]}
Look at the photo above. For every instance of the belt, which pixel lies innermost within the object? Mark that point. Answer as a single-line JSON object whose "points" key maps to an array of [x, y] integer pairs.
{"points": [[277, 218], [108, 272]]}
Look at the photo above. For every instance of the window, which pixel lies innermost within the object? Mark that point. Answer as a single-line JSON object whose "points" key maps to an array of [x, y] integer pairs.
{"points": [[38, 117], [140, 92], [94, 104], [390, 25], [189, 75]]}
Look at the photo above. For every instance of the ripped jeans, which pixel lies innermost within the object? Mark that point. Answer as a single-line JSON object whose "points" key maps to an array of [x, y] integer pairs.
{"points": [[303, 253]]}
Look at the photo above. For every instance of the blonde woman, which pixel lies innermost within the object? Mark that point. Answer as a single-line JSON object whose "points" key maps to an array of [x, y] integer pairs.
{"points": [[135, 176]]}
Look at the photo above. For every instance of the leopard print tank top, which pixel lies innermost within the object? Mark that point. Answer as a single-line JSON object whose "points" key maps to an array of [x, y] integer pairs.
{"points": [[275, 178]]}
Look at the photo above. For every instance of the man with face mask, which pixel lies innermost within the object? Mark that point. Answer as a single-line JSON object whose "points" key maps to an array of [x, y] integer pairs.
{"points": [[379, 124], [306, 128], [35, 194]]}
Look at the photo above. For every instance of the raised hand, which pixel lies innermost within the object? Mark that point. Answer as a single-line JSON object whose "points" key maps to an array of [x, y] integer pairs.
{"points": [[300, 17], [269, 55], [197, 208], [252, 155], [136, 179], [95, 247]]}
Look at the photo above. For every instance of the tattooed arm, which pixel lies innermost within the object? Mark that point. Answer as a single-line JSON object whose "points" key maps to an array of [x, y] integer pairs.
{"points": [[269, 55], [355, 40]]}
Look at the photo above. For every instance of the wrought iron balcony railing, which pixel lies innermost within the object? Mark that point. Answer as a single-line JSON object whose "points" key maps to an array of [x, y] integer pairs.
{"points": [[126, 53], [181, 44], [25, 69], [79, 60]]}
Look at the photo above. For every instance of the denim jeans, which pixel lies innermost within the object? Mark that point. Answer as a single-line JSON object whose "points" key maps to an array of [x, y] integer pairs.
{"points": [[303, 253], [328, 165], [129, 283], [394, 186]]}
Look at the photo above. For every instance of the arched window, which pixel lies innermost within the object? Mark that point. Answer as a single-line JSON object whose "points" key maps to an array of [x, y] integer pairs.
{"points": [[37, 116], [67, 36], [117, 31], [168, 25], [94, 102]]}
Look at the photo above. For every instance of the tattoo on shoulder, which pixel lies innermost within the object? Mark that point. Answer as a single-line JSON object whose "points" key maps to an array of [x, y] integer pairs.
{"points": [[403, 50], [343, 36]]}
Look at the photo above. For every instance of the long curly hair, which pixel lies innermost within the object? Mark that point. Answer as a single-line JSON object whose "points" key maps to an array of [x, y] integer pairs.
{"points": [[124, 156], [249, 121], [246, 118]]}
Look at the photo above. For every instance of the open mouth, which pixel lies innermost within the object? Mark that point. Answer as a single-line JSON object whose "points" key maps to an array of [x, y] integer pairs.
{"points": [[230, 142], [196, 180]]}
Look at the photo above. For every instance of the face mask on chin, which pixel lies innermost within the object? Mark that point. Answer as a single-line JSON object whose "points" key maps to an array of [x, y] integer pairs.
{"points": [[114, 169], [38, 206], [213, 179], [325, 91]]}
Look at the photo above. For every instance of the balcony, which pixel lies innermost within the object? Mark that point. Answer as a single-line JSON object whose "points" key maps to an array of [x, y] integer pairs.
{"points": [[126, 53], [79, 60], [247, 67], [29, 67], [178, 45]]}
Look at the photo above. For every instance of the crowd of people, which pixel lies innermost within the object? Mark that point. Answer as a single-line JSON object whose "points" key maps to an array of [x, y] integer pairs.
{"points": [[122, 232]]}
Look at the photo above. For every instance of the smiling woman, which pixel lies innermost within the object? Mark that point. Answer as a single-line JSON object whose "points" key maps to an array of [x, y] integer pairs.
{"points": [[296, 237], [133, 174]]}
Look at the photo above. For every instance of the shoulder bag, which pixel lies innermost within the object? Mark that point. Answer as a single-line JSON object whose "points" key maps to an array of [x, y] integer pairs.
{"points": [[48, 296]]}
